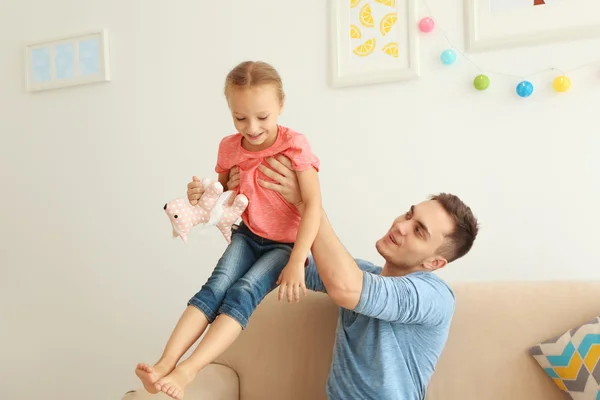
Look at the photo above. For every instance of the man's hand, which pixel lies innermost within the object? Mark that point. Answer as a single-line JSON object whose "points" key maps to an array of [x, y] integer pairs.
{"points": [[287, 181], [195, 190], [337, 269], [291, 281]]}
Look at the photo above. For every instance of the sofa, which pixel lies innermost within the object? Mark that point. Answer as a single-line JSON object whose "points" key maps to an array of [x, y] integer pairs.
{"points": [[285, 352]]}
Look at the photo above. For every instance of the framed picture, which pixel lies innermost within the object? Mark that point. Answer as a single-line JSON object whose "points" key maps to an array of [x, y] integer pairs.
{"points": [[508, 23], [67, 61], [373, 41]]}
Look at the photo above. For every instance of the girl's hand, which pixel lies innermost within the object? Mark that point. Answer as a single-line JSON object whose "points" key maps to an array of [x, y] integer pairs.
{"points": [[234, 178], [291, 281], [195, 190]]}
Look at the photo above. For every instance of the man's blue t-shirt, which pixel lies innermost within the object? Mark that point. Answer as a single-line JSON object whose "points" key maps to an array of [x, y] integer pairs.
{"points": [[388, 346]]}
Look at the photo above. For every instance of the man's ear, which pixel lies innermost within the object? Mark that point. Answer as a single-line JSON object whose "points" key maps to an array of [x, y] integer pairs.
{"points": [[435, 263]]}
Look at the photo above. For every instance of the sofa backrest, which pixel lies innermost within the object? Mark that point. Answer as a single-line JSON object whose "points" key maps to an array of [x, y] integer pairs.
{"points": [[486, 356], [285, 352]]}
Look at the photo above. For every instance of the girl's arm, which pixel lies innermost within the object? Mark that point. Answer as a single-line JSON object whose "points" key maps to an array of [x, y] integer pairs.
{"points": [[292, 277], [309, 224], [223, 179]]}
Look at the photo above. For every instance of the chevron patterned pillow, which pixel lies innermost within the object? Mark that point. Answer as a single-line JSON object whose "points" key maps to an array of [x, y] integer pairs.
{"points": [[572, 360]]}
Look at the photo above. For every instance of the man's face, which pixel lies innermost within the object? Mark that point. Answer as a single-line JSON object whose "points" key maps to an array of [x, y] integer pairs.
{"points": [[414, 237]]}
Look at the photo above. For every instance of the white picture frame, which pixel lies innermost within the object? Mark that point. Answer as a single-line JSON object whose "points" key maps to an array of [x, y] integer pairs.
{"points": [[67, 61], [380, 65], [557, 20]]}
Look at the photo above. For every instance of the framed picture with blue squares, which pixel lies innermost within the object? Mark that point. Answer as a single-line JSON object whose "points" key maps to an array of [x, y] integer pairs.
{"points": [[68, 61]]}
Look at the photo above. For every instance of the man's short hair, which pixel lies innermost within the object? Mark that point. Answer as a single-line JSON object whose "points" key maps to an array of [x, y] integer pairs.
{"points": [[459, 242]]}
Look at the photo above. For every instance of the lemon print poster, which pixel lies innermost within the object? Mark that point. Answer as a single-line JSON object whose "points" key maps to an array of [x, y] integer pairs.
{"points": [[373, 30], [373, 41]]}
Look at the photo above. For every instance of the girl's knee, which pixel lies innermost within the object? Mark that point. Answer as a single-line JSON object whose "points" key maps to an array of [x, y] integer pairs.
{"points": [[247, 291]]}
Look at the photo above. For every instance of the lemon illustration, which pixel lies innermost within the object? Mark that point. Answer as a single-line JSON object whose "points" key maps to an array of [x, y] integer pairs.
{"points": [[387, 22], [366, 16], [391, 49], [355, 32], [366, 48]]}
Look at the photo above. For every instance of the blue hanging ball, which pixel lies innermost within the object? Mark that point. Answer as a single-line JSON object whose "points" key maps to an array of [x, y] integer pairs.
{"points": [[448, 57], [525, 89]]}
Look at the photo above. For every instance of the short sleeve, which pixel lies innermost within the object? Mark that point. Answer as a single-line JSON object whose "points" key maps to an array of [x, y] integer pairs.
{"points": [[311, 277], [417, 298], [301, 155], [226, 153]]}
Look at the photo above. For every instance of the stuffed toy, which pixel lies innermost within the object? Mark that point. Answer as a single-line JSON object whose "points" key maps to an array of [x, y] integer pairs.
{"points": [[213, 209]]}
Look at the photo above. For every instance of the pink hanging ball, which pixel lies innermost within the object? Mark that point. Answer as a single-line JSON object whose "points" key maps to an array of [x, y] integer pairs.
{"points": [[426, 24]]}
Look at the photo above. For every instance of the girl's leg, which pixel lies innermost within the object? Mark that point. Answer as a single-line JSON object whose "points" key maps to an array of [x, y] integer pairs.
{"points": [[239, 303], [189, 328], [202, 310]]}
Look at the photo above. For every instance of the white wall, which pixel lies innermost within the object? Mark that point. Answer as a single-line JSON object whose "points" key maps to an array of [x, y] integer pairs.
{"points": [[91, 281], [504, 5]]}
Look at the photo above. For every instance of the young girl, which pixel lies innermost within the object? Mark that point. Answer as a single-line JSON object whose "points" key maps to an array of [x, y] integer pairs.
{"points": [[271, 243]]}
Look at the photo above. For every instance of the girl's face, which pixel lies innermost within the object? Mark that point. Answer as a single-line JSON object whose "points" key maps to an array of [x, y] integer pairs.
{"points": [[255, 111]]}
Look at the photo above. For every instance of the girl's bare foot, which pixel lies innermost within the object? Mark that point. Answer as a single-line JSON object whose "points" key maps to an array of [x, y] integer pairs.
{"points": [[149, 375], [175, 383]]}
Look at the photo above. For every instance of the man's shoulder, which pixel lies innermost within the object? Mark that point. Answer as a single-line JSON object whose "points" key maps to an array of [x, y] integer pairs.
{"points": [[419, 277], [433, 282], [368, 266], [438, 291], [429, 278], [424, 287]]}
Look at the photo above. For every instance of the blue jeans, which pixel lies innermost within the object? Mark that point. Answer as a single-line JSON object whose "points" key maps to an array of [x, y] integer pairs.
{"points": [[244, 275]]}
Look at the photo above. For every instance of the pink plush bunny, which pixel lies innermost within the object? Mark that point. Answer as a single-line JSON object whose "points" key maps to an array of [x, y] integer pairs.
{"points": [[211, 209]]}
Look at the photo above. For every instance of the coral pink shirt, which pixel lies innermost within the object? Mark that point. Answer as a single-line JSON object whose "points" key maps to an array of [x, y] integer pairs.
{"points": [[268, 214]]}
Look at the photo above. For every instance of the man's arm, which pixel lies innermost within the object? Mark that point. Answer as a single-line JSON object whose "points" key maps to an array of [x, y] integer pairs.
{"points": [[312, 278], [340, 274], [417, 299], [337, 269]]}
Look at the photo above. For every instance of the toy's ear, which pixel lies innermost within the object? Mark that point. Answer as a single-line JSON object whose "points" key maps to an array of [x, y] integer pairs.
{"points": [[175, 233]]}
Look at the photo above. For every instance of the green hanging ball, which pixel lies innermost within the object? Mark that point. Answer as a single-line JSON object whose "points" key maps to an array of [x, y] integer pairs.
{"points": [[481, 82]]}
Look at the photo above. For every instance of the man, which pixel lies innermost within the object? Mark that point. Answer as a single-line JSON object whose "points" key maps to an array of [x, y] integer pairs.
{"points": [[393, 321]]}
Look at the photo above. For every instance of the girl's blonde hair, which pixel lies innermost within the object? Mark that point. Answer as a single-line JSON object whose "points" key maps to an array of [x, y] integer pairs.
{"points": [[251, 74]]}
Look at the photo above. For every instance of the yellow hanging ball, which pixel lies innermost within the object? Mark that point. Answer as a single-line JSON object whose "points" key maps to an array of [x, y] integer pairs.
{"points": [[562, 84]]}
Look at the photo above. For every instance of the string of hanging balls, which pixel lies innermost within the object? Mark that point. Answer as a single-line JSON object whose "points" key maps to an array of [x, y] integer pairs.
{"points": [[481, 82]]}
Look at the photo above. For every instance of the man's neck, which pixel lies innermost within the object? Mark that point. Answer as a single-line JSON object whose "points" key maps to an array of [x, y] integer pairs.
{"points": [[394, 270]]}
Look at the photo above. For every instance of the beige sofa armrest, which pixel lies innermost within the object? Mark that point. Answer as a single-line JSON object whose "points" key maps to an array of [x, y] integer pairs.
{"points": [[215, 382]]}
